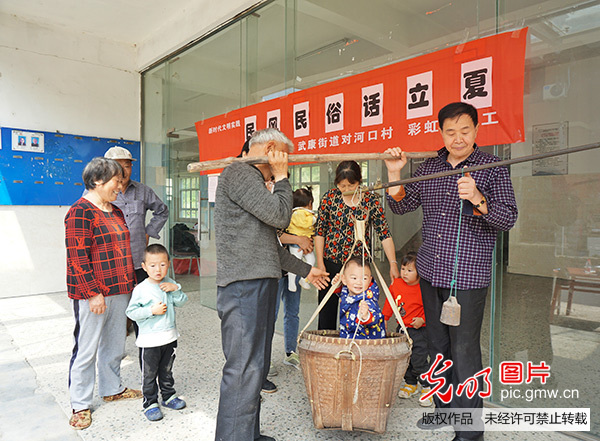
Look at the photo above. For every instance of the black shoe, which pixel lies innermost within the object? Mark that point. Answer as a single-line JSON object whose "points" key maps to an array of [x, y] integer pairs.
{"points": [[460, 438], [268, 387], [432, 421], [264, 438]]}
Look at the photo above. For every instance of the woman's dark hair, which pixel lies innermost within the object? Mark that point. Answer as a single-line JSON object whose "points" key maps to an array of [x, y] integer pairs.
{"points": [[349, 170], [245, 148], [100, 170], [455, 110], [409, 258], [303, 197]]}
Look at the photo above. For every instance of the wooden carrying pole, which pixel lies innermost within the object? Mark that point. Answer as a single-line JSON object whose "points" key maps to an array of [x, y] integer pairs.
{"points": [[335, 157], [459, 171]]}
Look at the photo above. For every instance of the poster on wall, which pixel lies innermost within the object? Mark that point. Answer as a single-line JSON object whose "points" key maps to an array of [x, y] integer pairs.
{"points": [[548, 138], [394, 105], [213, 181], [46, 168], [27, 141]]}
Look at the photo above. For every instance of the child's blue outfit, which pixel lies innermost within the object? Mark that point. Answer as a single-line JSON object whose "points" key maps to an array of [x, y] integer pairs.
{"points": [[157, 337], [373, 327]]}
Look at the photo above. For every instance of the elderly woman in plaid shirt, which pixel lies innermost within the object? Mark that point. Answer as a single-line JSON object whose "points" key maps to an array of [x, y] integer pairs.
{"points": [[100, 278], [489, 207]]}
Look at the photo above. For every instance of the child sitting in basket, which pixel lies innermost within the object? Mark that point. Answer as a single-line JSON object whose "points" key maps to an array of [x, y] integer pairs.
{"points": [[360, 315]]}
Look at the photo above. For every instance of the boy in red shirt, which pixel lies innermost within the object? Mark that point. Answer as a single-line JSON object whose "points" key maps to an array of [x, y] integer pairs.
{"points": [[407, 293]]}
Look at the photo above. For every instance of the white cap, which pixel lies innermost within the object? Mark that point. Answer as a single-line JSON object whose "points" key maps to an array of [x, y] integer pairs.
{"points": [[118, 152]]}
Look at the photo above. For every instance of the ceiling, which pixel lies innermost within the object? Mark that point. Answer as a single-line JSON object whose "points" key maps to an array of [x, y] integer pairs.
{"points": [[398, 28], [333, 39], [338, 38], [125, 21]]}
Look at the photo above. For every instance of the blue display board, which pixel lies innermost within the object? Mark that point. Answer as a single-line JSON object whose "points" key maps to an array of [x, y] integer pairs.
{"points": [[50, 174]]}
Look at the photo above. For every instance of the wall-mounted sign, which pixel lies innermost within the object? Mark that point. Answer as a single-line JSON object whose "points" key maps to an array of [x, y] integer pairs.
{"points": [[394, 105], [44, 168], [547, 138], [27, 141]]}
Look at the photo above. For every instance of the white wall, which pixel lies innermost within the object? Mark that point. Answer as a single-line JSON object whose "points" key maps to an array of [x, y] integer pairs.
{"points": [[52, 79], [186, 25]]}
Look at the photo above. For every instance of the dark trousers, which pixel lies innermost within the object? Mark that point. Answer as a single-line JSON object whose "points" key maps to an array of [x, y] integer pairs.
{"points": [[457, 343], [247, 312], [140, 275], [157, 370], [329, 314], [419, 359]]}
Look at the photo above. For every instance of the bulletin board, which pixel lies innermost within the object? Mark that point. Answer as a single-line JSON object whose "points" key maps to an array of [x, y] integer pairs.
{"points": [[44, 168]]}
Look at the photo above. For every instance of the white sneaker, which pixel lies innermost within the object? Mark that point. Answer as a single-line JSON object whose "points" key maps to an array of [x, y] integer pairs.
{"points": [[292, 360], [408, 390], [428, 402], [304, 284], [292, 284]]}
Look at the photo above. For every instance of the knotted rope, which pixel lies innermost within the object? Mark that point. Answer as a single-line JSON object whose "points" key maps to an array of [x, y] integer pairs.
{"points": [[359, 236], [453, 285]]}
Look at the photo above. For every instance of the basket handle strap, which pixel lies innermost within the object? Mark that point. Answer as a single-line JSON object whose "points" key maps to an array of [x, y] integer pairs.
{"points": [[392, 302], [328, 295], [321, 305], [384, 286], [390, 298]]}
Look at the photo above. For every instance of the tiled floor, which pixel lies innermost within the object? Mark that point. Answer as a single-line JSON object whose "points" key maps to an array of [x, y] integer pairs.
{"points": [[35, 347]]}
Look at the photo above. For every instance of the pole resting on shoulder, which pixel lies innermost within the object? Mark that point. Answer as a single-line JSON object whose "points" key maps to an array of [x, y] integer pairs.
{"points": [[303, 158]]}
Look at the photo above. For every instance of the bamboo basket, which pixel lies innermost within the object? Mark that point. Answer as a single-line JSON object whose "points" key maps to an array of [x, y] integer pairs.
{"points": [[331, 366]]}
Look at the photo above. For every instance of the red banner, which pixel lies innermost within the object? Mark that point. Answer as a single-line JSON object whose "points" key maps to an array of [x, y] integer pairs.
{"points": [[394, 105]]}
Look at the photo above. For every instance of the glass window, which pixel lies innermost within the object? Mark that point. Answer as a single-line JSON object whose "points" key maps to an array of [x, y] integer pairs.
{"points": [[547, 302], [544, 303], [305, 174], [189, 188], [364, 170], [316, 173]]}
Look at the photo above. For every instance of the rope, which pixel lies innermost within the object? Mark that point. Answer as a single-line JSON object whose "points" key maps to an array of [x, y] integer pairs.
{"points": [[360, 359], [382, 285], [357, 191], [359, 236], [453, 285], [333, 286]]}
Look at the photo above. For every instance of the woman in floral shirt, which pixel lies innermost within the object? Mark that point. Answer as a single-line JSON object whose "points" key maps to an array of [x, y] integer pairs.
{"points": [[335, 231]]}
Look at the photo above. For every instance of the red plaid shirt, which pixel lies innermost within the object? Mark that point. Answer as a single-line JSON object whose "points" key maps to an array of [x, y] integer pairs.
{"points": [[98, 252]]}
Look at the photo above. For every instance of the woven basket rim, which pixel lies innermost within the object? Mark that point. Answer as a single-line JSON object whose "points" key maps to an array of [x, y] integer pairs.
{"points": [[334, 337]]}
